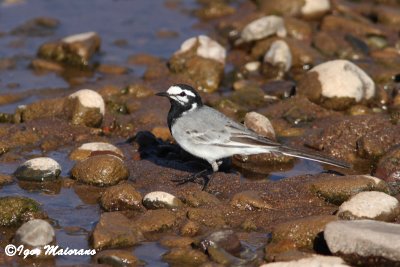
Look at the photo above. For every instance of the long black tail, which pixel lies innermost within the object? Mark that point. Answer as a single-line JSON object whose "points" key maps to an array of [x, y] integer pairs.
{"points": [[299, 153]]}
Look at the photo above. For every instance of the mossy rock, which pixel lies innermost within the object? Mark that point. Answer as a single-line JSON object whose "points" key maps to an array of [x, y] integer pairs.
{"points": [[13, 209]]}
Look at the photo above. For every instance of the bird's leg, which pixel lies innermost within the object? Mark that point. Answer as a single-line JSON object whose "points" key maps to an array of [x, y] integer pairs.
{"points": [[202, 174]]}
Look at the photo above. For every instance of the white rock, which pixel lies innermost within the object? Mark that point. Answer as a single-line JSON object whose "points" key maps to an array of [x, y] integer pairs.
{"points": [[160, 199], [260, 124], [312, 7], [79, 37], [43, 164], [89, 98], [264, 27], [279, 53], [370, 205], [342, 78], [208, 48], [315, 261], [365, 238], [252, 66], [35, 233], [100, 146]]}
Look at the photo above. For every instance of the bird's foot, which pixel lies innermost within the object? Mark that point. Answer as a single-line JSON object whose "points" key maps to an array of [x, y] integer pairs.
{"points": [[198, 178]]}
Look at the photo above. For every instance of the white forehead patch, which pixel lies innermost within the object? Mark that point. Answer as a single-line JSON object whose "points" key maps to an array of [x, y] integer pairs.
{"points": [[176, 90]]}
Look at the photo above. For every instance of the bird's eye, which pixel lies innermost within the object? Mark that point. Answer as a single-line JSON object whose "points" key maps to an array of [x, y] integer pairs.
{"points": [[182, 94]]}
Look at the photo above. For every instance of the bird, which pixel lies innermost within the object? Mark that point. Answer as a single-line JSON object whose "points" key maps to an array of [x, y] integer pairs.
{"points": [[208, 134]]}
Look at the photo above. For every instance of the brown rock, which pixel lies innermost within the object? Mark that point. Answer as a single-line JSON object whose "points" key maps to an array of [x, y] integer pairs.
{"points": [[249, 200], [208, 217], [112, 69], [190, 228], [46, 65], [302, 232], [74, 50], [5, 179], [341, 24], [200, 198], [115, 230], [388, 15], [156, 220], [162, 132], [123, 196], [288, 8], [115, 257], [43, 108], [338, 189], [185, 257], [102, 170], [388, 167], [176, 242], [260, 124]]}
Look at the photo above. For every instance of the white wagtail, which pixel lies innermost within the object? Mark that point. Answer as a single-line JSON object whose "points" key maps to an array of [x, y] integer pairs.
{"points": [[208, 134]]}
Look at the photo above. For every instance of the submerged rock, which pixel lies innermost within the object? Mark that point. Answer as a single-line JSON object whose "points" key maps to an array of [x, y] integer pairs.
{"points": [[336, 84], [364, 242], [87, 108], [101, 170], [160, 200], [370, 205], [115, 257], [38, 169], [123, 196], [115, 230], [185, 257], [35, 233], [74, 50], [14, 210]]}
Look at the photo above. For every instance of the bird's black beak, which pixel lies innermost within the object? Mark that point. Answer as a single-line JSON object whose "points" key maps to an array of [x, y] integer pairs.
{"points": [[165, 94]]}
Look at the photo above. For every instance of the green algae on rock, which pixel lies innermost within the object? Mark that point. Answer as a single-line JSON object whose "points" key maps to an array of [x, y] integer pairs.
{"points": [[13, 209]]}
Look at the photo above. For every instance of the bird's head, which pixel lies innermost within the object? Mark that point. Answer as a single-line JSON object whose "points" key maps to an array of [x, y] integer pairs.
{"points": [[183, 97]]}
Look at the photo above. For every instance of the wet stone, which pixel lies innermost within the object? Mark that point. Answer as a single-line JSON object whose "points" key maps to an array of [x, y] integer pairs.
{"points": [[225, 239], [370, 205], [190, 228], [337, 189], [176, 241], [35, 233], [74, 50], [160, 200], [86, 149], [123, 196], [260, 124], [302, 232], [14, 210], [156, 220], [249, 200], [38, 169], [185, 257], [115, 230], [364, 242], [336, 84], [38, 27], [388, 167], [101, 170], [5, 179], [200, 198], [87, 108], [208, 217], [115, 257]]}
